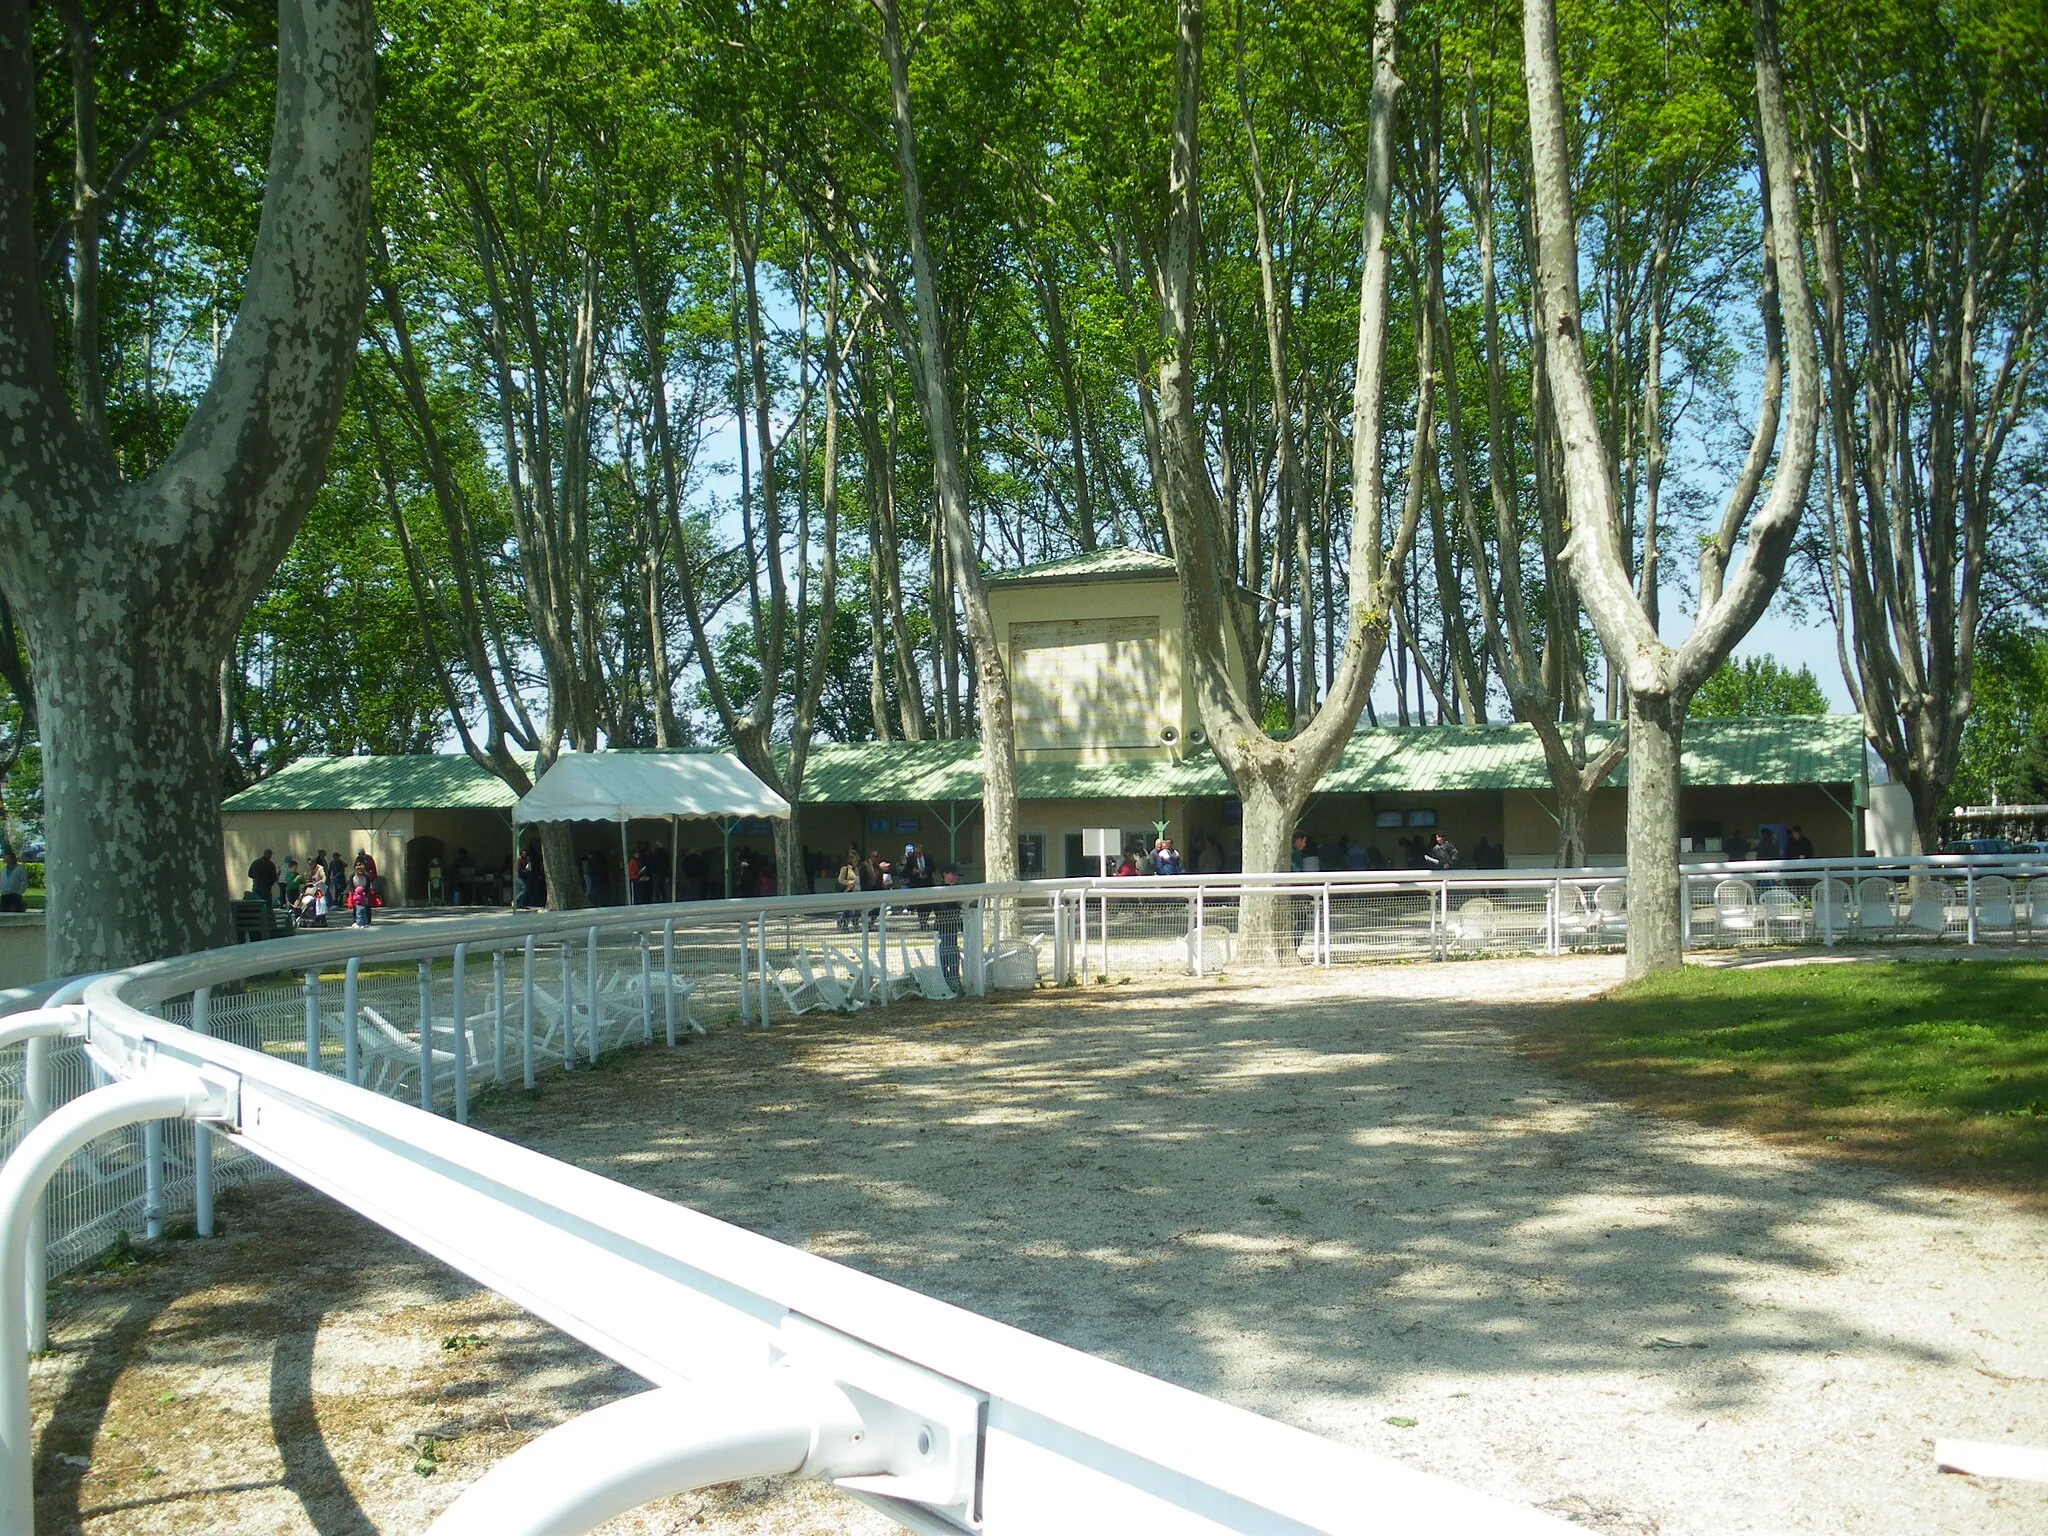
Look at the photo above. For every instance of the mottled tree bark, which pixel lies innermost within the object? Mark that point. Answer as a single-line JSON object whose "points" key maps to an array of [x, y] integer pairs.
{"points": [[936, 397], [130, 594], [1272, 778], [1659, 679]]}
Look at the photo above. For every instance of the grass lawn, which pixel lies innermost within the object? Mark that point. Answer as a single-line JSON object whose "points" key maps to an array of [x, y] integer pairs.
{"points": [[1934, 1066]]}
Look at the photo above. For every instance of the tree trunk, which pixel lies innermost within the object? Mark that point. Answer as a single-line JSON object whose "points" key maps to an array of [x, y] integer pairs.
{"points": [[129, 596], [935, 394], [129, 763], [558, 862], [1658, 679], [1266, 929], [1574, 810], [1655, 725]]}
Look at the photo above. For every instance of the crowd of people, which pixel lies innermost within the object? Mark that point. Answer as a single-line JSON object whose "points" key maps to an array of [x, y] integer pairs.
{"points": [[330, 882], [913, 871]]}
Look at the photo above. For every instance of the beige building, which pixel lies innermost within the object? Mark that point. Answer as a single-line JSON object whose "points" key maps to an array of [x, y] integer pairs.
{"points": [[1108, 736]]}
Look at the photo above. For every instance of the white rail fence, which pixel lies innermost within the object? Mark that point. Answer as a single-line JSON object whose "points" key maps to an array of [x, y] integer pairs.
{"points": [[135, 1096]]}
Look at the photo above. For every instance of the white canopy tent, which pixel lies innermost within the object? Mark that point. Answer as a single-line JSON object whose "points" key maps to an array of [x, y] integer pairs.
{"points": [[650, 786]]}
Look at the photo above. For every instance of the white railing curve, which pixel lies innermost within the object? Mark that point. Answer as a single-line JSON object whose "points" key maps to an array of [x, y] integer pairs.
{"points": [[208, 1066]]}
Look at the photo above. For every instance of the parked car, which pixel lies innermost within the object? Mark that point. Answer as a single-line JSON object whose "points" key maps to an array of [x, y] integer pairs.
{"points": [[32, 853], [1980, 845]]}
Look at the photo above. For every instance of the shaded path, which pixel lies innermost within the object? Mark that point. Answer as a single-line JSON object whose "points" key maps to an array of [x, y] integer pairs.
{"points": [[1339, 1202]]}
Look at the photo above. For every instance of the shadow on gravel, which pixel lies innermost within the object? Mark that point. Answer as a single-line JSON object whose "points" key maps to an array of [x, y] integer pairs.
{"points": [[1267, 1202]]}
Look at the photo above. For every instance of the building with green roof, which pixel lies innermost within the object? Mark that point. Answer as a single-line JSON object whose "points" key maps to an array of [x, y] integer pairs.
{"points": [[1108, 736]]}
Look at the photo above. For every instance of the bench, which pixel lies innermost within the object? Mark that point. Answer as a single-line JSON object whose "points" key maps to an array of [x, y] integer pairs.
{"points": [[256, 920]]}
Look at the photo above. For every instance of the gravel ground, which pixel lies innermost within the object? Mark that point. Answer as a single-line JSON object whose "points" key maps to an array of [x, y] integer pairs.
{"points": [[1339, 1201]]}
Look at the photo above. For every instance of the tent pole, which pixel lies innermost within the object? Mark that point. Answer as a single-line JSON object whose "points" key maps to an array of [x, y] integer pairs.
{"points": [[726, 827], [625, 858], [674, 826]]}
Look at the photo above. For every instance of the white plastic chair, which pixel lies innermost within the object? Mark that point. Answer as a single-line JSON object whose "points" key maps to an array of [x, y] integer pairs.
{"points": [[1610, 910], [1874, 909], [1219, 949], [924, 976], [1473, 927], [1839, 903], [659, 984], [389, 1058], [1736, 912], [1996, 910], [1785, 915], [1928, 915], [826, 984]]}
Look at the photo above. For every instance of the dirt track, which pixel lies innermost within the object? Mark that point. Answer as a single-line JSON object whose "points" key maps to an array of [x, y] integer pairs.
{"points": [[1334, 1202]]}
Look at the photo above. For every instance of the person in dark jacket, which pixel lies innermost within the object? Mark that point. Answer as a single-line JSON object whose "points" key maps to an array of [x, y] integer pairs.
{"points": [[263, 877], [946, 922]]}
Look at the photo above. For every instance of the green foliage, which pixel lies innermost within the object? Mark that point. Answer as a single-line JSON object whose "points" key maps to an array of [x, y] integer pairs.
{"points": [[2005, 743], [1758, 686], [334, 658]]}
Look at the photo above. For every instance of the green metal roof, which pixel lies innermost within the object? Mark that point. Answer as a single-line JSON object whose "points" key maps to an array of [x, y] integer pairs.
{"points": [[426, 781], [1095, 565], [870, 772], [1808, 749]]}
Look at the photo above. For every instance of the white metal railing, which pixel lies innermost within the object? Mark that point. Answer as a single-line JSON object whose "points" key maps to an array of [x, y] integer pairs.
{"points": [[294, 1051], [540, 992], [762, 1358]]}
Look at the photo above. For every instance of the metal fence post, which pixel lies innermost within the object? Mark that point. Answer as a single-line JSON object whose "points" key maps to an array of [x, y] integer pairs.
{"points": [[526, 1017], [590, 989], [459, 1034], [568, 1010], [35, 1105], [763, 957], [1970, 897], [882, 946], [202, 1138], [668, 973], [1827, 909], [977, 958], [498, 1016], [351, 1009], [1684, 911], [1201, 937], [746, 963], [647, 995], [1326, 946], [426, 1036], [1082, 972], [312, 991], [153, 1179]]}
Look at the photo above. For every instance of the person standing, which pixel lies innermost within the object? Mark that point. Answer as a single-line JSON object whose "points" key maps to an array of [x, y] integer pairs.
{"points": [[849, 885], [362, 897], [1166, 859], [1797, 844], [946, 920], [263, 877], [13, 884], [1443, 854], [916, 875]]}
